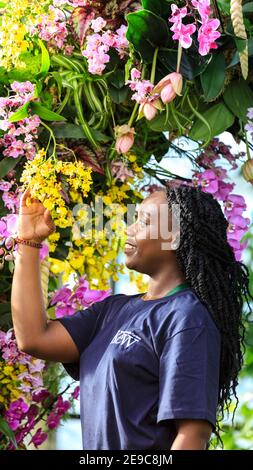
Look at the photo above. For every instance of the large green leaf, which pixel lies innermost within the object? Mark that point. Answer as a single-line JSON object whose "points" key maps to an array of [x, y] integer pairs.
{"points": [[147, 31], [219, 118], [7, 164], [159, 7], [238, 98], [212, 79], [45, 113]]}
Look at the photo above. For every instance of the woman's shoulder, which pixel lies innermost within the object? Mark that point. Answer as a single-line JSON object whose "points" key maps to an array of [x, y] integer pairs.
{"points": [[187, 310]]}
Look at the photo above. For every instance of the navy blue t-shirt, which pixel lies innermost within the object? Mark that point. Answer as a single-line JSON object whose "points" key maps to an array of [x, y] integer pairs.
{"points": [[143, 364]]}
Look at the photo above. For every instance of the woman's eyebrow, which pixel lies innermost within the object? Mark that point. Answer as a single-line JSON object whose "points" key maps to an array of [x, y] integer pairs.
{"points": [[142, 212]]}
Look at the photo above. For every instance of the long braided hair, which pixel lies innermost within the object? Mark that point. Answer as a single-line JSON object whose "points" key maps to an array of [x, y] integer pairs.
{"points": [[220, 282]]}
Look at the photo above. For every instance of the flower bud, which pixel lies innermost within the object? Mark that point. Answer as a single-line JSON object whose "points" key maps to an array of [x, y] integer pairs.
{"points": [[124, 138], [247, 170], [169, 87]]}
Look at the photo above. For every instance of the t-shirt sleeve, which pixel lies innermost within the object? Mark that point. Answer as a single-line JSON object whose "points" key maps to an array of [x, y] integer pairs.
{"points": [[189, 375], [82, 326]]}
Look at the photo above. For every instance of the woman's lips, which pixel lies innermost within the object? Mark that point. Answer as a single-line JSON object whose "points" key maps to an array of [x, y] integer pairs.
{"points": [[129, 248]]}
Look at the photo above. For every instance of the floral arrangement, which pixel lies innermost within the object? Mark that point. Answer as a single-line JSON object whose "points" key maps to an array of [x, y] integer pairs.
{"points": [[93, 96]]}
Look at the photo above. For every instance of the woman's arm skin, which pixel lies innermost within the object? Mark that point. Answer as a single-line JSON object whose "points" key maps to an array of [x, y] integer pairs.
{"points": [[192, 434], [34, 334]]}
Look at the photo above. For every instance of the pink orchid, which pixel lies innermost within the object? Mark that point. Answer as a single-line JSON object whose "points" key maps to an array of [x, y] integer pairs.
{"points": [[120, 171], [39, 437], [149, 107], [203, 7], [208, 181], [170, 86], [207, 36], [124, 138], [182, 32], [98, 24], [234, 204]]}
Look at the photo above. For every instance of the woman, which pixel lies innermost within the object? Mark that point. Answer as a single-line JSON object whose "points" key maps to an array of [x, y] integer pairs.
{"points": [[155, 368]]}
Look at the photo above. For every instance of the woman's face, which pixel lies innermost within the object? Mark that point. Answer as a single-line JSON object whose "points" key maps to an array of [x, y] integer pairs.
{"points": [[148, 245]]}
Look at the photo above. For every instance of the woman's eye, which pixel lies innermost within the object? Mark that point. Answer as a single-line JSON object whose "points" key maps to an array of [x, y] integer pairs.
{"points": [[142, 222]]}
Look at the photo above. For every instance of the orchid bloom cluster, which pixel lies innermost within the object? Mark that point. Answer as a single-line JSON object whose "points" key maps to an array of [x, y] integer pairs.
{"points": [[19, 137], [212, 181], [53, 183], [151, 99], [207, 33], [98, 45], [69, 300], [52, 28], [24, 401]]}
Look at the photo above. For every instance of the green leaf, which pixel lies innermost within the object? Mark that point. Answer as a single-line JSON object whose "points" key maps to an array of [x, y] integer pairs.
{"points": [[118, 95], [219, 119], [45, 61], [64, 130], [190, 67], [7, 164], [45, 113], [72, 131], [240, 43], [159, 7], [117, 79], [212, 79], [248, 8], [29, 71], [236, 58], [146, 31], [238, 98], [7, 431], [58, 79], [152, 5], [20, 114]]}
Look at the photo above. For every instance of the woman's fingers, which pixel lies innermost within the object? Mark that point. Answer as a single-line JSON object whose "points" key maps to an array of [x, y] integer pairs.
{"points": [[25, 196], [49, 221]]}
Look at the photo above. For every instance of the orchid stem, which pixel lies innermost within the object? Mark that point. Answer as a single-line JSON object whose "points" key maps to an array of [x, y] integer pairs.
{"points": [[153, 70], [179, 56]]}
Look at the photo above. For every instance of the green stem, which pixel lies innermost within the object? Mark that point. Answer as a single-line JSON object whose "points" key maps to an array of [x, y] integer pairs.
{"points": [[153, 70], [247, 146], [179, 56], [51, 137], [64, 101], [131, 120], [201, 118]]}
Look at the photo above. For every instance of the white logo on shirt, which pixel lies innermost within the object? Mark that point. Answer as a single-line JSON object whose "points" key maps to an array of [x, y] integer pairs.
{"points": [[125, 337]]}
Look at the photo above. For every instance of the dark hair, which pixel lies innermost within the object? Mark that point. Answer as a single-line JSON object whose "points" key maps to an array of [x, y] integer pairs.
{"points": [[221, 283]]}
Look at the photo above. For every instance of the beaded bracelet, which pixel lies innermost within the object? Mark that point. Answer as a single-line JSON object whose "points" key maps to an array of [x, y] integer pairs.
{"points": [[28, 243]]}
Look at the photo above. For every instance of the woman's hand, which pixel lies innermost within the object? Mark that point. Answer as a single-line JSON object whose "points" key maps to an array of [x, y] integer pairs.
{"points": [[35, 222]]}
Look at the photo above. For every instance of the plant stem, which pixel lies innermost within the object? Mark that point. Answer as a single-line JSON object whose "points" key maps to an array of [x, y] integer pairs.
{"points": [[247, 146], [153, 70], [130, 122], [179, 56], [51, 137]]}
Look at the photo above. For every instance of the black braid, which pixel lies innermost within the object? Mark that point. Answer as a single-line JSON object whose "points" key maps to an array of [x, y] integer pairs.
{"points": [[220, 282]]}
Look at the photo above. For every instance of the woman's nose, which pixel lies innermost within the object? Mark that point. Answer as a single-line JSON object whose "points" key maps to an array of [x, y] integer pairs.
{"points": [[130, 230]]}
